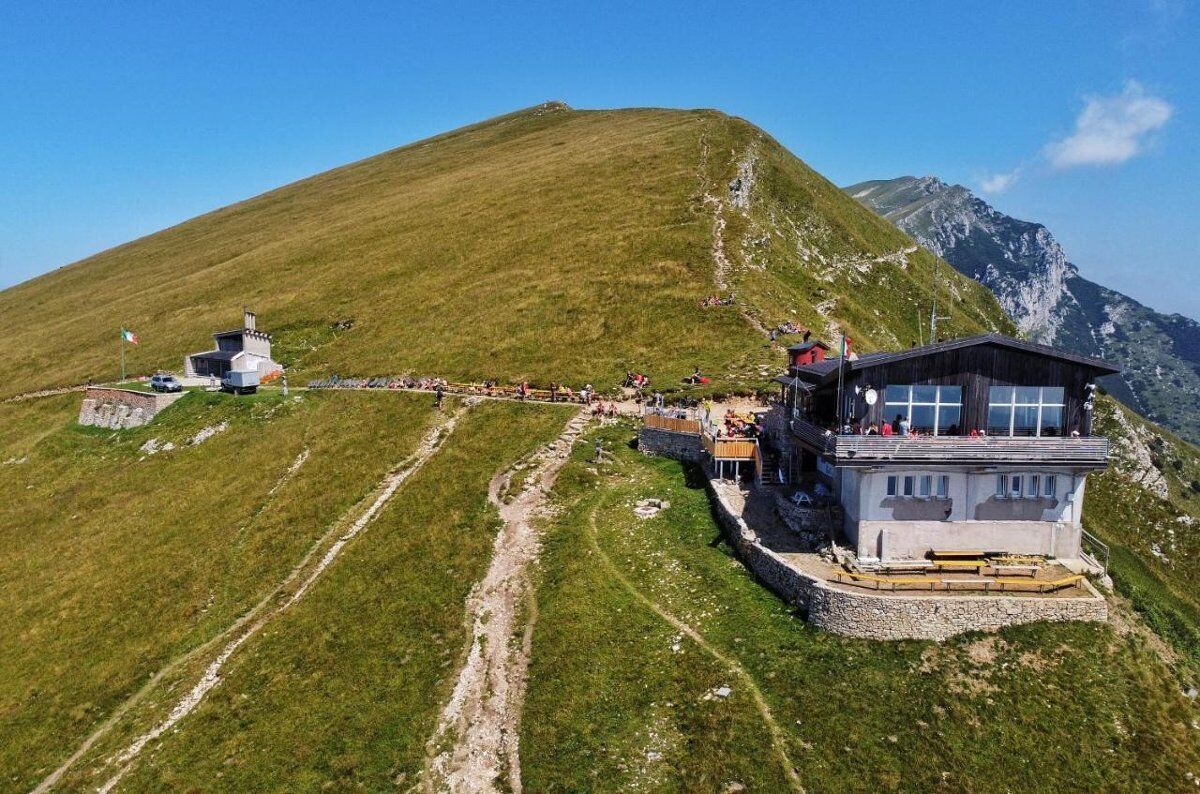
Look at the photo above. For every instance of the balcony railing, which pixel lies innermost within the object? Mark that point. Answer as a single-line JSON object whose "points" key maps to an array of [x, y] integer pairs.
{"points": [[858, 450]]}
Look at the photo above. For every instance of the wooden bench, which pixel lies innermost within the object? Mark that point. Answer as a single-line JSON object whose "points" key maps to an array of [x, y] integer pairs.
{"points": [[1015, 570], [960, 565], [953, 554], [906, 566]]}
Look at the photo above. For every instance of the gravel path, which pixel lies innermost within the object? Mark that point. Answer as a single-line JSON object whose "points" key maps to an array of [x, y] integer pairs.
{"points": [[475, 746]]}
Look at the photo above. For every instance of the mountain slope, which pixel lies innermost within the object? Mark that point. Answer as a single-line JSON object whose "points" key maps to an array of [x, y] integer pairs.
{"points": [[550, 243], [1042, 291]]}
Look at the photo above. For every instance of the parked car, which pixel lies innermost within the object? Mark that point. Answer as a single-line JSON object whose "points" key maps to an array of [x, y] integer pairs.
{"points": [[164, 381], [240, 382]]}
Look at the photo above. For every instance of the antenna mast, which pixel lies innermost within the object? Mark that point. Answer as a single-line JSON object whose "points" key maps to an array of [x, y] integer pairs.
{"points": [[933, 313]]}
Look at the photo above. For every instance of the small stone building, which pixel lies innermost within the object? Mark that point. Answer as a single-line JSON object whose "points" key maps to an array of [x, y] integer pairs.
{"points": [[244, 349]]}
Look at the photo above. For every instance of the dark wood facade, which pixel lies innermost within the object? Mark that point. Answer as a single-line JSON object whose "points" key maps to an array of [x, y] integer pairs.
{"points": [[975, 367]]}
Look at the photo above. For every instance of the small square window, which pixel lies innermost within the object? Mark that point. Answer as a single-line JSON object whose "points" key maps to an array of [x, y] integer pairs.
{"points": [[891, 485]]}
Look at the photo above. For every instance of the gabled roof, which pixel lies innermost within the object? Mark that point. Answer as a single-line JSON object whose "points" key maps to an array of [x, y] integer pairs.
{"points": [[800, 347], [823, 369]]}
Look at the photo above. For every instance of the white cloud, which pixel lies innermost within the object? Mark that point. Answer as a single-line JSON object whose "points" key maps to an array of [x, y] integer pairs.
{"points": [[998, 183], [1111, 129]]}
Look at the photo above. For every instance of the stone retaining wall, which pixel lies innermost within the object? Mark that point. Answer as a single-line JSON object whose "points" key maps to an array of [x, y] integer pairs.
{"points": [[121, 408], [894, 617], [669, 444]]}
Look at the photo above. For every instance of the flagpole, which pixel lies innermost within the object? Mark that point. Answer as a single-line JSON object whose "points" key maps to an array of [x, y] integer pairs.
{"points": [[122, 335]]}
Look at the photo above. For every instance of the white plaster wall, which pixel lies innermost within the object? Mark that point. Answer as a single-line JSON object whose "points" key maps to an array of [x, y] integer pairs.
{"points": [[914, 539]]}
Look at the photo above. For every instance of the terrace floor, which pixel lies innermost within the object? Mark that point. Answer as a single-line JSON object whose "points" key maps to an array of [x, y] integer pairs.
{"points": [[756, 506]]}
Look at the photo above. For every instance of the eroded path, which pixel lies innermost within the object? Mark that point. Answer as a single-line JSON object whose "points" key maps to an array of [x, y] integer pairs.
{"points": [[476, 745], [285, 595]]}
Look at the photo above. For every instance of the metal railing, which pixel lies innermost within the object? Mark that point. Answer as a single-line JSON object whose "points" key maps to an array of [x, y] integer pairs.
{"points": [[850, 450], [1094, 551]]}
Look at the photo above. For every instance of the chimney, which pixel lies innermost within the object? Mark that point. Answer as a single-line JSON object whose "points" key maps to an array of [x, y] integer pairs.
{"points": [[247, 319]]}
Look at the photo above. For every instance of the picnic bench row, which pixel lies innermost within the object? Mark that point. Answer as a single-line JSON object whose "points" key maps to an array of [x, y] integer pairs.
{"points": [[999, 583]]}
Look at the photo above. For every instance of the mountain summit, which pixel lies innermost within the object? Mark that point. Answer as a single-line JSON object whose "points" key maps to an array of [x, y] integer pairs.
{"points": [[1042, 291], [547, 244]]}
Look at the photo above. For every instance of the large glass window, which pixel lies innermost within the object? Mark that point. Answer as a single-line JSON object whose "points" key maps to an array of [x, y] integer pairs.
{"points": [[1025, 411], [935, 410]]}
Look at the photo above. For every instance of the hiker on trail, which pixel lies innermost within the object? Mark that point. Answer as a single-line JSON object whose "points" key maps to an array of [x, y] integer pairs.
{"points": [[553, 392], [599, 450], [439, 394], [587, 394], [523, 390], [772, 336]]}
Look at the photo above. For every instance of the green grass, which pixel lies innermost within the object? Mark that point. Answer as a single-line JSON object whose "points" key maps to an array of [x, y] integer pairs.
{"points": [[1068, 707], [113, 562], [1164, 587], [344, 689], [551, 244]]}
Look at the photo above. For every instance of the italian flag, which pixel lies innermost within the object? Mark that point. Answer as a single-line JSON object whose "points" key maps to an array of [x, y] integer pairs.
{"points": [[129, 336]]}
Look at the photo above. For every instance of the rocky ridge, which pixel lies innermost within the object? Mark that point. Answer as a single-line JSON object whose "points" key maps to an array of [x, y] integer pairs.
{"points": [[1042, 291]]}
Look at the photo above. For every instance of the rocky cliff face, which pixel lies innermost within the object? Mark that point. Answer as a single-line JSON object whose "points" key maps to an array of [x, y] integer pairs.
{"points": [[1028, 271]]}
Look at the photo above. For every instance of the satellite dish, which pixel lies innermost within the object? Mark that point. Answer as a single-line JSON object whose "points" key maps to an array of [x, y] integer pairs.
{"points": [[871, 396]]}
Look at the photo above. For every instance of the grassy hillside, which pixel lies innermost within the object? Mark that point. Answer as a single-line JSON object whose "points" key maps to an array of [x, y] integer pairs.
{"points": [[550, 243], [556, 245], [344, 690], [115, 561], [1147, 507], [1061, 707]]}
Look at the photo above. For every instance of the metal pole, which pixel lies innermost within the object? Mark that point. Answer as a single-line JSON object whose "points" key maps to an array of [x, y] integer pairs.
{"points": [[841, 365], [933, 318], [122, 335]]}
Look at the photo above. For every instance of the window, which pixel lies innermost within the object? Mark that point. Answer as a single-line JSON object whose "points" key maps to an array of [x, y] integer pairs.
{"points": [[919, 486], [1014, 485], [1050, 485], [1001, 485], [936, 410], [1034, 487], [1025, 411]]}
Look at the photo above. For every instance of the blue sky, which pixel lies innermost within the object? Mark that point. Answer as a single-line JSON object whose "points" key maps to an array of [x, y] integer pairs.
{"points": [[120, 119]]}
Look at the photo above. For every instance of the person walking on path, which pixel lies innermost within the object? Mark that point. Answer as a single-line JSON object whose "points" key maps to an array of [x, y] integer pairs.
{"points": [[439, 394], [599, 450]]}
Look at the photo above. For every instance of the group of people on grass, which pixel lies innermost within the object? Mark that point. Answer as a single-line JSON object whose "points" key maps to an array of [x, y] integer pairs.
{"points": [[715, 300]]}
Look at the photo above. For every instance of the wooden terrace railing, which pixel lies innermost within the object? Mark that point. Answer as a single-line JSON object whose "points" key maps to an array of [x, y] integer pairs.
{"points": [[674, 424]]}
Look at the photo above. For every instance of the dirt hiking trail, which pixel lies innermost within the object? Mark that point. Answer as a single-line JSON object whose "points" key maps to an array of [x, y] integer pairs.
{"points": [[475, 746]]}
